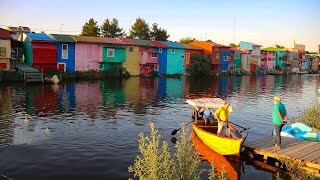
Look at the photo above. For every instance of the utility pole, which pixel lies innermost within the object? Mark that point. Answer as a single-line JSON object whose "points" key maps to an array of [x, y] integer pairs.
{"points": [[61, 29], [234, 30]]}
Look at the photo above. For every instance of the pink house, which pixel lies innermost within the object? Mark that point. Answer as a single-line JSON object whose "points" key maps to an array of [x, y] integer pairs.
{"points": [[269, 55], [88, 53], [148, 57]]}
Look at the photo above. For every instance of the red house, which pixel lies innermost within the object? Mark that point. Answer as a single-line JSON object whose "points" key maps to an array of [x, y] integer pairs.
{"points": [[189, 51], [40, 51], [218, 52]]}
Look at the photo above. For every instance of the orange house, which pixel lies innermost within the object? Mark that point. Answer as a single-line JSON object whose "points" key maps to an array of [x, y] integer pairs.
{"points": [[215, 51]]}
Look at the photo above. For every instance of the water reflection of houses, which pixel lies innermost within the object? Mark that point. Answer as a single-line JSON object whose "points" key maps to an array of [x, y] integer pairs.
{"points": [[197, 87], [66, 98], [41, 100], [88, 98], [113, 96], [6, 119]]}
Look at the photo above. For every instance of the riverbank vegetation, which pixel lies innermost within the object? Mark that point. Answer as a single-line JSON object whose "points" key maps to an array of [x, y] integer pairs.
{"points": [[293, 170], [156, 162], [309, 116], [201, 65]]}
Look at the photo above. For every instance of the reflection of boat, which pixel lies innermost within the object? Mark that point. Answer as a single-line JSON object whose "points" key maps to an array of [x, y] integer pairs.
{"points": [[229, 164], [208, 133]]}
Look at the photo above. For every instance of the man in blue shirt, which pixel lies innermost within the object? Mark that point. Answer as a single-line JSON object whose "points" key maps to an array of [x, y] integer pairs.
{"points": [[207, 114], [278, 114]]}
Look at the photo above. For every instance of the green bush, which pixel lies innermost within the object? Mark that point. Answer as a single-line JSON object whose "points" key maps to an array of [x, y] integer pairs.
{"points": [[310, 116], [201, 65], [156, 162]]}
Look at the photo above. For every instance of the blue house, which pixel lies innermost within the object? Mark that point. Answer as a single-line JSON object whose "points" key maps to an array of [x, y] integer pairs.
{"points": [[161, 49], [224, 60], [65, 52], [175, 58]]}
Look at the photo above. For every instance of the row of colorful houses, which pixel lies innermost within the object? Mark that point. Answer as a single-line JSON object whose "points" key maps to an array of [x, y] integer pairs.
{"points": [[70, 53]]}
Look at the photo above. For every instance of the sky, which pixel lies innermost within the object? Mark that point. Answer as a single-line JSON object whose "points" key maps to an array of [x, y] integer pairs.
{"points": [[265, 22]]}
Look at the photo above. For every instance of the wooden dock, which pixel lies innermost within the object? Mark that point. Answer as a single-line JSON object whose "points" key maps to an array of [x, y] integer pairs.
{"points": [[292, 149], [28, 73]]}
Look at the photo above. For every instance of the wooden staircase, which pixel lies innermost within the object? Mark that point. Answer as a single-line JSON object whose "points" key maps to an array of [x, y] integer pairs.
{"points": [[28, 73]]}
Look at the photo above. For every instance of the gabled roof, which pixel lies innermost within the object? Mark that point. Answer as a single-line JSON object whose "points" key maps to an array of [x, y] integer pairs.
{"points": [[128, 41], [173, 45], [100, 40], [159, 44], [270, 49], [62, 38], [211, 43], [4, 34], [142, 42], [246, 51], [190, 46], [39, 37]]}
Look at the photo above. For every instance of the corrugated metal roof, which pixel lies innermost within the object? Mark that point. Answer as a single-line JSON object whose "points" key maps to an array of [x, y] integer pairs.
{"points": [[128, 41], [271, 49], [4, 34], [159, 44], [190, 46], [62, 38], [100, 40], [39, 37], [141, 42], [239, 50], [173, 45]]}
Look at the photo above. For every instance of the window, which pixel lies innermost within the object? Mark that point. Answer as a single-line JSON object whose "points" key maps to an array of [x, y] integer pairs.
{"points": [[110, 52], [64, 51], [217, 56], [216, 49], [269, 59], [131, 49], [147, 65], [237, 55], [183, 66], [156, 67], [187, 58], [2, 52], [160, 50], [182, 56], [101, 66], [146, 49], [226, 58], [234, 66], [154, 55], [173, 50]]}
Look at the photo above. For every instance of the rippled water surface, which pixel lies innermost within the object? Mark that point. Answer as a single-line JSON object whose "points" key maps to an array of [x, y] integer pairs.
{"points": [[89, 130]]}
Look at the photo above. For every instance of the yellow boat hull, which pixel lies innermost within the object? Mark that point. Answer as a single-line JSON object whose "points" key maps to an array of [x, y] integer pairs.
{"points": [[221, 145]]}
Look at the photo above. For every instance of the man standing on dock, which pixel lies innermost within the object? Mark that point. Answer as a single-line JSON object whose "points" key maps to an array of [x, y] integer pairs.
{"points": [[278, 115]]}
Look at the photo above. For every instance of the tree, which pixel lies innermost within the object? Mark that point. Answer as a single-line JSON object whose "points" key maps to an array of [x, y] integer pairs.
{"points": [[158, 34], [279, 46], [209, 40], [201, 65], [140, 29], [111, 29], [90, 28], [234, 45], [186, 40]]}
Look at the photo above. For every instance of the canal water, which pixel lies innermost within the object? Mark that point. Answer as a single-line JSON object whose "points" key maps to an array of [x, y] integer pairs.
{"points": [[89, 130]]}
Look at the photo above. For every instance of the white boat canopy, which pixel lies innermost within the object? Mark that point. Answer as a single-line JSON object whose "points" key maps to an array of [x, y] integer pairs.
{"points": [[207, 103]]}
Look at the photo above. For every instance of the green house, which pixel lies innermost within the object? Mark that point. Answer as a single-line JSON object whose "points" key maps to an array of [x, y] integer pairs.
{"points": [[279, 59], [112, 57]]}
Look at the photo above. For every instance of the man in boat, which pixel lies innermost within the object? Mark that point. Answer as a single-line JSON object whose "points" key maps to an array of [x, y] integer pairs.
{"points": [[207, 114], [278, 114], [222, 115]]}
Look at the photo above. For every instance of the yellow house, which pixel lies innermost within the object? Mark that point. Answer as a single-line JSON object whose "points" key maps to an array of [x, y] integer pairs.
{"points": [[132, 63], [5, 49]]}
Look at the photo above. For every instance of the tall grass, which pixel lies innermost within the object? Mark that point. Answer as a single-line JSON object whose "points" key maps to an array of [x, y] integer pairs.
{"points": [[293, 170], [156, 162], [309, 116]]}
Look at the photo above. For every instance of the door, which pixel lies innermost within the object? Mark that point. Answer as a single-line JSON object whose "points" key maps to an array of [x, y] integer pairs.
{"points": [[62, 67]]}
